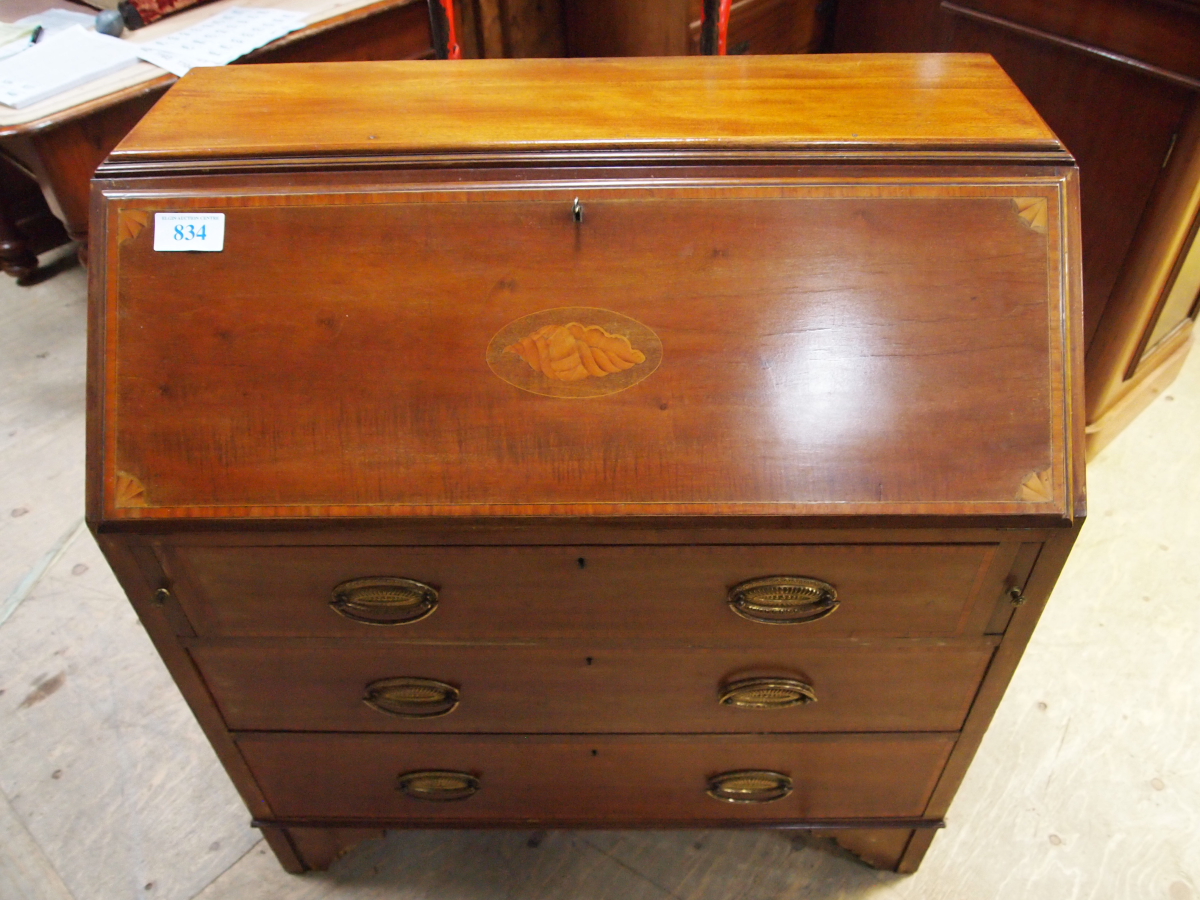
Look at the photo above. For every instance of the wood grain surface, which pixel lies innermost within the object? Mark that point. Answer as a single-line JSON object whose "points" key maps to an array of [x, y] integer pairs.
{"points": [[683, 320], [860, 686], [872, 100], [507, 593], [553, 777], [824, 348]]}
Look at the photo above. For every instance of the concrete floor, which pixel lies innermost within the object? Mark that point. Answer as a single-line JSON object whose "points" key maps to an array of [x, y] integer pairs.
{"points": [[1087, 785]]}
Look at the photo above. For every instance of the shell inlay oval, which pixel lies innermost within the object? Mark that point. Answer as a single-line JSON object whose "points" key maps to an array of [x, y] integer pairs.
{"points": [[574, 352]]}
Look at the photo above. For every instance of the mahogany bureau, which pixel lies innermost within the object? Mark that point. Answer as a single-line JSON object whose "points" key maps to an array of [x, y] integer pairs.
{"points": [[610, 443]]}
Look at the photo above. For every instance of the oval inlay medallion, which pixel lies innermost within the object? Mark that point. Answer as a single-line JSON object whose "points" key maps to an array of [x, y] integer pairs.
{"points": [[574, 352]]}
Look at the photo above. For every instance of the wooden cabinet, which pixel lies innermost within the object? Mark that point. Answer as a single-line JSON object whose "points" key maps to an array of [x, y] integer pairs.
{"points": [[609, 443], [672, 27], [1119, 82]]}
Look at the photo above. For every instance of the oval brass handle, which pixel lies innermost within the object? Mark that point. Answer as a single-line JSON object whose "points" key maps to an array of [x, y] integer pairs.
{"points": [[749, 786], [437, 785], [411, 698], [383, 600], [783, 599], [767, 693]]}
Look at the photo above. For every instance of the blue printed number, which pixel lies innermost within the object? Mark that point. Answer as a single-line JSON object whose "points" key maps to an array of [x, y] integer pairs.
{"points": [[190, 232]]}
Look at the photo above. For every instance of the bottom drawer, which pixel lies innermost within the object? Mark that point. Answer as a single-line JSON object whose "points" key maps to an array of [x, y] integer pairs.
{"points": [[597, 780]]}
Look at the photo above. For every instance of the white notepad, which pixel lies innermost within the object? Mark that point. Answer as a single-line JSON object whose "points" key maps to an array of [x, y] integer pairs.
{"points": [[61, 62]]}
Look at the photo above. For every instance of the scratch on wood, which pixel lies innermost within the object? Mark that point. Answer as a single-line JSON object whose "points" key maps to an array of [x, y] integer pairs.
{"points": [[43, 687], [1057, 753]]}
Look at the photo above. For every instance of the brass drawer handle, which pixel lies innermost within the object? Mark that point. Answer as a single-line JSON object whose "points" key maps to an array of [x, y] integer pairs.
{"points": [[411, 698], [383, 600], [783, 599], [437, 785], [749, 786], [767, 693]]}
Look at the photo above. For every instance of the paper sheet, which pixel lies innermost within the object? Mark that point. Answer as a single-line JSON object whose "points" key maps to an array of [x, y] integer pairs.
{"points": [[66, 60], [54, 21], [221, 39]]}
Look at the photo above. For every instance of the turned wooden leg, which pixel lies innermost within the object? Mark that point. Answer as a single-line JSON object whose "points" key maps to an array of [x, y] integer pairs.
{"points": [[16, 258], [19, 246]]}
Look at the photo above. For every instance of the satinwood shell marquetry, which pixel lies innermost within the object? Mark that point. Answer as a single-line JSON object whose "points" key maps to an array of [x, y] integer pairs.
{"points": [[549, 435], [574, 352]]}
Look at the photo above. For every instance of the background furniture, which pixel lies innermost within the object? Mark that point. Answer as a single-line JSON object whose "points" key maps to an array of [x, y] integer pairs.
{"points": [[1119, 82], [27, 227], [542, 28], [61, 141], [672, 27], [424, 548]]}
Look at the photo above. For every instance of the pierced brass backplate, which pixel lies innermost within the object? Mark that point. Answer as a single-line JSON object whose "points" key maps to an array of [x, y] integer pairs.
{"points": [[437, 785], [767, 693], [411, 698], [783, 599], [384, 600], [749, 786]]}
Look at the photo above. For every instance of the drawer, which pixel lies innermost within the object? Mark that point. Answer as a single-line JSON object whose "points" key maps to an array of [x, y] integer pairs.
{"points": [[593, 780], [502, 593], [537, 689]]}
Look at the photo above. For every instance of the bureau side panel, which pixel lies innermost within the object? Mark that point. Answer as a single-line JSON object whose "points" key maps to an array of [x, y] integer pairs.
{"points": [[1036, 592]]}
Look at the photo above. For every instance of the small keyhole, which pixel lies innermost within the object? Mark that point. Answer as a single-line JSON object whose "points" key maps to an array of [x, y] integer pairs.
{"points": [[577, 210], [582, 562], [589, 660], [595, 753]]}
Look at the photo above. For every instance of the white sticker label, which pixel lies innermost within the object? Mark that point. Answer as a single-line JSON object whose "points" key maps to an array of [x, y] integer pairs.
{"points": [[189, 231]]}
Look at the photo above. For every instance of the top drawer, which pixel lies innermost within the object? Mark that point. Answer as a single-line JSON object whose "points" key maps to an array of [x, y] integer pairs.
{"points": [[502, 593]]}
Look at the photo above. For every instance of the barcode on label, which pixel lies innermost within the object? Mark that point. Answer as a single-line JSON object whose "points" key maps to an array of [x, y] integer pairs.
{"points": [[189, 231]]}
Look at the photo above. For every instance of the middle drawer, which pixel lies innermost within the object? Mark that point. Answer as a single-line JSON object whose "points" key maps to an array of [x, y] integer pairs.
{"points": [[861, 686]]}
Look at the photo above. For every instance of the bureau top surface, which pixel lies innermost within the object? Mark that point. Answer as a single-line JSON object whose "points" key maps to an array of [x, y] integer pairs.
{"points": [[882, 102]]}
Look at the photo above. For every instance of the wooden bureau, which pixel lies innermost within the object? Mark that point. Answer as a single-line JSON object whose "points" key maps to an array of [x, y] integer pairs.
{"points": [[610, 443]]}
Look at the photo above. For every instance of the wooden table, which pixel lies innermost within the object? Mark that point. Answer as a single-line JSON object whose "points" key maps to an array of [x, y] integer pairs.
{"points": [[61, 141]]}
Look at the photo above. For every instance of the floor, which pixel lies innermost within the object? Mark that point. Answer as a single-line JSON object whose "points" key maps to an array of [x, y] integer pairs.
{"points": [[1087, 785]]}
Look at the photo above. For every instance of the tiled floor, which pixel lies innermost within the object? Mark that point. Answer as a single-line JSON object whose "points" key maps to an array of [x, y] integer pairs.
{"points": [[1087, 785]]}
